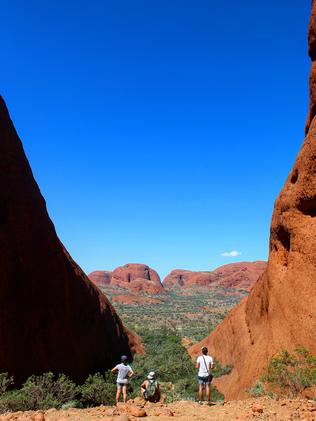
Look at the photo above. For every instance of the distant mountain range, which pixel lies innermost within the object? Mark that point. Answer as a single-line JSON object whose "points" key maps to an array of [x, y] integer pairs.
{"points": [[141, 278]]}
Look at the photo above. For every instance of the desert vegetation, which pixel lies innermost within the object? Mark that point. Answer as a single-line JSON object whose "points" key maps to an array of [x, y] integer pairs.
{"points": [[287, 374], [165, 355]]}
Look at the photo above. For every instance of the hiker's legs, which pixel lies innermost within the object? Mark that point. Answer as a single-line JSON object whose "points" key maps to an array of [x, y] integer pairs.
{"points": [[208, 392], [125, 393], [118, 393], [200, 392]]}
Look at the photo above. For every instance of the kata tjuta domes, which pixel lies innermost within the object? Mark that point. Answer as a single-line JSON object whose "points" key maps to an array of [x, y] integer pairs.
{"points": [[280, 312], [136, 277], [233, 275], [52, 318]]}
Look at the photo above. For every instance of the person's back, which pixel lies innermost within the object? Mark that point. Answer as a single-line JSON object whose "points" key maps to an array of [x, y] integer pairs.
{"points": [[150, 388], [123, 371], [204, 364]]}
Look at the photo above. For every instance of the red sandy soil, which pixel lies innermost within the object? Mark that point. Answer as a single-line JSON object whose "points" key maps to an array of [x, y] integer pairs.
{"points": [[251, 409]]}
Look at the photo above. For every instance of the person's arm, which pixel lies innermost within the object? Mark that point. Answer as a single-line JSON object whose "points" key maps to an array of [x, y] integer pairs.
{"points": [[130, 373], [197, 365], [143, 385], [211, 364], [114, 370]]}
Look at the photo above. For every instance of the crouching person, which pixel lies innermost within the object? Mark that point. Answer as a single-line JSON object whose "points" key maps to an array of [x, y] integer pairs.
{"points": [[150, 389]]}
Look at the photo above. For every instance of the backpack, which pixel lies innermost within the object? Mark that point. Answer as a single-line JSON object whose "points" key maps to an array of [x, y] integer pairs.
{"points": [[152, 388]]}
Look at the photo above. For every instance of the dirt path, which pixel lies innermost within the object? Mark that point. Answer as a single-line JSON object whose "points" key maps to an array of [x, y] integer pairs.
{"points": [[251, 409]]}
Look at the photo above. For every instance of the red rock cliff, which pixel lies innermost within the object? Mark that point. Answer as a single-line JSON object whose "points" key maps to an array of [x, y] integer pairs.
{"points": [[51, 316], [280, 311]]}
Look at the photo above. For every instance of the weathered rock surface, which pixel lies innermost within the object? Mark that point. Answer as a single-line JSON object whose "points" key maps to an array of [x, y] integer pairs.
{"points": [[52, 318], [137, 277], [280, 312], [100, 278], [234, 275], [186, 278], [241, 274]]}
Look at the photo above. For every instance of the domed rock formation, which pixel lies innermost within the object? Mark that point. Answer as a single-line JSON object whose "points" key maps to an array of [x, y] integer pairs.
{"points": [[280, 312], [234, 275], [100, 278], [50, 313], [241, 274], [187, 278], [137, 277]]}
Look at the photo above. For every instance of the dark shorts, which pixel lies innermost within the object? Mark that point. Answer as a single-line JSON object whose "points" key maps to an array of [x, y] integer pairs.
{"points": [[121, 384], [205, 380]]}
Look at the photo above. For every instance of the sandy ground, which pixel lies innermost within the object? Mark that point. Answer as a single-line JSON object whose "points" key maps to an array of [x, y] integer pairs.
{"points": [[250, 409]]}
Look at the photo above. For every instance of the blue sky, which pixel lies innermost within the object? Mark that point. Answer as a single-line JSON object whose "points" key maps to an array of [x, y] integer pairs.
{"points": [[159, 131]]}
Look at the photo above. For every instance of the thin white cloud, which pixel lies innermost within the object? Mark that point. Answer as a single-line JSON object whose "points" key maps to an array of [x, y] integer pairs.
{"points": [[233, 253]]}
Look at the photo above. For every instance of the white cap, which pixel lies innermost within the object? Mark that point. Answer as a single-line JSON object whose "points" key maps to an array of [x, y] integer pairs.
{"points": [[151, 375]]}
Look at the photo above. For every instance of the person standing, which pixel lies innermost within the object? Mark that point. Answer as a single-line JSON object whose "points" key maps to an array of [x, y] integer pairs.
{"points": [[124, 373], [205, 364]]}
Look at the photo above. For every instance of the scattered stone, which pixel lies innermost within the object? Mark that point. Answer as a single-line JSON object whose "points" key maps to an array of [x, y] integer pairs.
{"points": [[257, 408], [136, 411], [123, 417]]}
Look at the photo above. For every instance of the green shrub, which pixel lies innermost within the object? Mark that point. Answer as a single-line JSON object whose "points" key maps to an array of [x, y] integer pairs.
{"points": [[40, 392], [43, 392], [291, 373], [97, 390], [257, 390], [13, 401], [5, 382]]}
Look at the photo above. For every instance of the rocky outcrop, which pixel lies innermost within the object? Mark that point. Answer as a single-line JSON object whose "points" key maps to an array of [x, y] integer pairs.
{"points": [[280, 312], [234, 275], [241, 275], [138, 278], [180, 278], [100, 278], [50, 313]]}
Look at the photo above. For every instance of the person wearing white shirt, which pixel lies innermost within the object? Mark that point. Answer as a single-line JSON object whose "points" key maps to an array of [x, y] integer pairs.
{"points": [[204, 364], [124, 373]]}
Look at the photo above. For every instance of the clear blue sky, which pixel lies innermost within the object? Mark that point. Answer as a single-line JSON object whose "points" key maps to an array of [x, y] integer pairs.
{"points": [[159, 131]]}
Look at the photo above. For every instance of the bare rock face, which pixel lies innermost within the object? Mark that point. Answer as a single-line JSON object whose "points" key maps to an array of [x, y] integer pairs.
{"points": [[100, 278], [312, 77], [241, 274], [137, 277], [51, 316], [280, 312], [234, 275], [187, 278]]}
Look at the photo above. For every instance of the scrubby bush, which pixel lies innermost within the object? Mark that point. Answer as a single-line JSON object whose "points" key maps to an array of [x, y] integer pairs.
{"points": [[257, 389], [5, 382], [291, 373], [45, 391], [98, 390], [39, 392]]}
